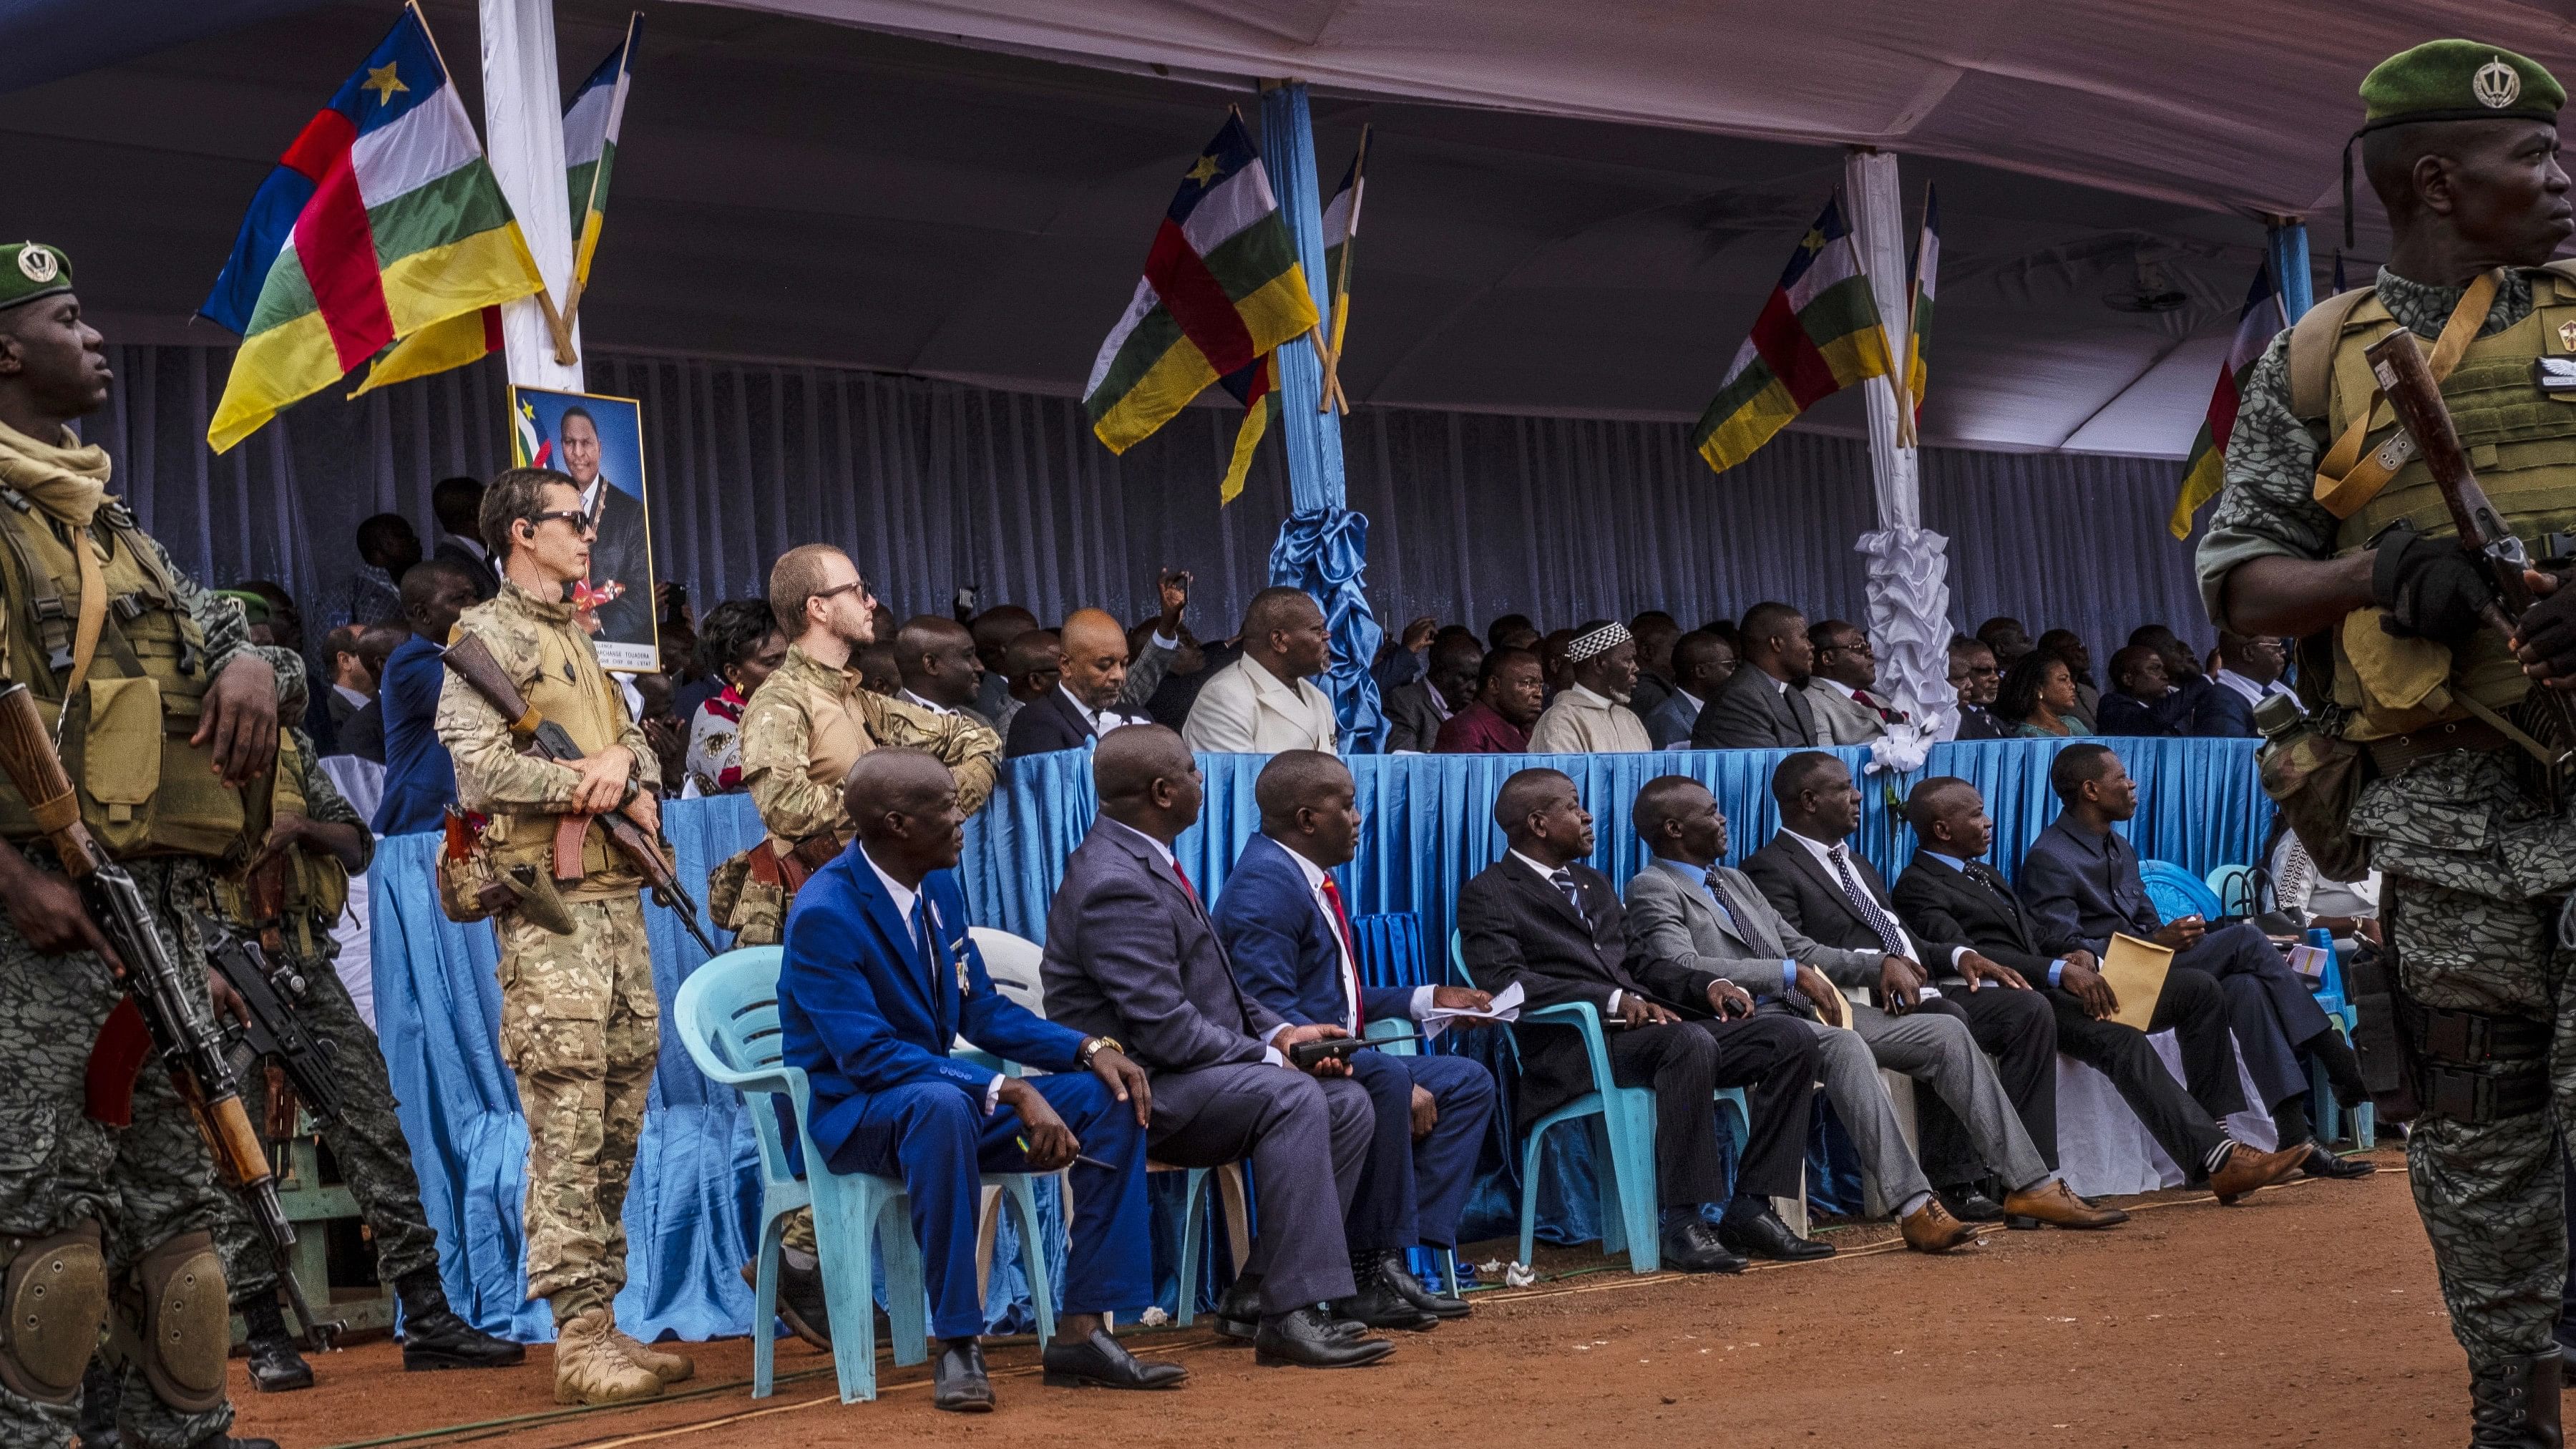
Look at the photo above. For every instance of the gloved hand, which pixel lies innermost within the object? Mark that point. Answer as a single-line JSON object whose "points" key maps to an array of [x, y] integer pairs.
{"points": [[2432, 588]]}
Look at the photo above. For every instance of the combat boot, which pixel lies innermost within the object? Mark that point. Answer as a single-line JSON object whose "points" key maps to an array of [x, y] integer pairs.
{"points": [[275, 1366], [2514, 1405], [591, 1369], [662, 1364], [435, 1338]]}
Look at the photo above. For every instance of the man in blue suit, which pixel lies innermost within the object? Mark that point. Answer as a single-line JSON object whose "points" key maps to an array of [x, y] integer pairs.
{"points": [[880, 976], [1283, 923]]}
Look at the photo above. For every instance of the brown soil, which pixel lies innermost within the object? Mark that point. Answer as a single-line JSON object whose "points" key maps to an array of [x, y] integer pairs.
{"points": [[2306, 1315]]}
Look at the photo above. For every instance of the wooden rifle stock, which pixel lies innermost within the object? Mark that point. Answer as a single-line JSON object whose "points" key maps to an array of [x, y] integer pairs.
{"points": [[27, 755], [2397, 362]]}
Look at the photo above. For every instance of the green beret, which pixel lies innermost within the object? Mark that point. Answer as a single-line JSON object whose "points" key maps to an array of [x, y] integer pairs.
{"points": [[254, 606], [2459, 80], [29, 270]]}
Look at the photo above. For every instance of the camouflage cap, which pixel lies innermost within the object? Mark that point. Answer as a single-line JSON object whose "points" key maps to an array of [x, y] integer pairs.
{"points": [[2458, 80], [29, 270]]}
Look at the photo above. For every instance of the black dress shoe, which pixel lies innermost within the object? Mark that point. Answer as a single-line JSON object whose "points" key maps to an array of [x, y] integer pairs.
{"points": [[275, 1366], [2322, 1163], [1378, 1303], [1101, 1362], [957, 1379], [1306, 1338], [1399, 1276], [441, 1340], [1969, 1205], [1692, 1246], [1760, 1234], [1238, 1313]]}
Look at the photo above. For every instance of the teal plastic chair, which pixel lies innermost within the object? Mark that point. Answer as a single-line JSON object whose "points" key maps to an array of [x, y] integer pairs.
{"points": [[2177, 892], [2340, 1009], [1621, 1121], [727, 1016], [2234, 887]]}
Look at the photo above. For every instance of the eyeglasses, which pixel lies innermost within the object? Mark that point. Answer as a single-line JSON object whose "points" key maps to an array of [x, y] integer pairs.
{"points": [[860, 585], [578, 519]]}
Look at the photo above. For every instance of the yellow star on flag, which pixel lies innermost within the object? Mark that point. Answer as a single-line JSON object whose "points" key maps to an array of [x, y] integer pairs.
{"points": [[1204, 172], [382, 80], [1813, 241]]}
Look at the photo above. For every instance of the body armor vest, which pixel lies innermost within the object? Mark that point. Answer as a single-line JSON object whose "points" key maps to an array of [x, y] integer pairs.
{"points": [[2522, 444], [144, 789]]}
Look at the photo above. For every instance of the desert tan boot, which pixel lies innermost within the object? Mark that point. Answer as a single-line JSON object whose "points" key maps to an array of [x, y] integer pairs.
{"points": [[662, 1364], [591, 1369]]}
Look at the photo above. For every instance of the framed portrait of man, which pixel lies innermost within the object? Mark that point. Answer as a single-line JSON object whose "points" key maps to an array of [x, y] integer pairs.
{"points": [[598, 442]]}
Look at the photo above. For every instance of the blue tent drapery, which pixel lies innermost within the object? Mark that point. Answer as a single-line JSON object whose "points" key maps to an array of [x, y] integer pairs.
{"points": [[694, 1190]]}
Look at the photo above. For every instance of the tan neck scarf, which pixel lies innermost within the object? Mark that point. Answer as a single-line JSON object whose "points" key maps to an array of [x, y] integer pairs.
{"points": [[66, 482]]}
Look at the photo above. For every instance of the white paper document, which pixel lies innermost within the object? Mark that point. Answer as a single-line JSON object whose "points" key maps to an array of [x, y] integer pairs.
{"points": [[1506, 1008]]}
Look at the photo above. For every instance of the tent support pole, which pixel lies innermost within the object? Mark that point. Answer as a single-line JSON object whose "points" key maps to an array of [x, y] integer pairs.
{"points": [[2287, 238], [1909, 598], [1322, 546], [523, 126]]}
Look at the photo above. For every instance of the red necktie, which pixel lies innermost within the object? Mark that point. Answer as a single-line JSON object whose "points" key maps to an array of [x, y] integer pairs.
{"points": [[1350, 951], [1183, 877]]}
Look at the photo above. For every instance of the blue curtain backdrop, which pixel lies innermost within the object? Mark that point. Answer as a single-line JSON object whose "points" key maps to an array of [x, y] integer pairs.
{"points": [[688, 1216]]}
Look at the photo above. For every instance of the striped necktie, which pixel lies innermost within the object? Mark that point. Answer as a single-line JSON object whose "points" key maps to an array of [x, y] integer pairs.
{"points": [[1564, 881], [1890, 939]]}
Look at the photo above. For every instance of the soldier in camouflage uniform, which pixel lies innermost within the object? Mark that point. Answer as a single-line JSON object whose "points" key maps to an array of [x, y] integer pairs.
{"points": [[289, 899], [801, 733], [2332, 530], [105, 1203], [580, 1022]]}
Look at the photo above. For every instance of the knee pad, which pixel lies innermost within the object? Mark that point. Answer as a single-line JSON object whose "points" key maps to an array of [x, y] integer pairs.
{"points": [[55, 1294], [186, 1323]]}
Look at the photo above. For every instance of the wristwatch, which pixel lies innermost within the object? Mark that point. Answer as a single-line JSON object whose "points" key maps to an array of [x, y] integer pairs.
{"points": [[1091, 1047]]}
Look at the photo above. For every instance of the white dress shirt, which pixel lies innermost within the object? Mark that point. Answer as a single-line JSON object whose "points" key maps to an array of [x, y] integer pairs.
{"points": [[2255, 693], [1102, 721], [1351, 1022], [903, 896], [1824, 857]]}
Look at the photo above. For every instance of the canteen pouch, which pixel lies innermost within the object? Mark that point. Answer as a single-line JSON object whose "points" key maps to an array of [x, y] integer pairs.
{"points": [[468, 885], [725, 886], [2316, 780]]}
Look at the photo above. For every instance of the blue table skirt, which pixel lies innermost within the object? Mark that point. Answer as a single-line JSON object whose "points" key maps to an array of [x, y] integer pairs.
{"points": [[1429, 827]]}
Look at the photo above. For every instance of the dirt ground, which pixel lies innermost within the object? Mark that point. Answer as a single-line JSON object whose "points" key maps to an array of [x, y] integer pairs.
{"points": [[2305, 1315]]}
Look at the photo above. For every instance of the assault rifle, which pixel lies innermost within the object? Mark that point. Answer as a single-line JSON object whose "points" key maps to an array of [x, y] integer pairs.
{"points": [[172, 1002], [2397, 364], [471, 660], [272, 990]]}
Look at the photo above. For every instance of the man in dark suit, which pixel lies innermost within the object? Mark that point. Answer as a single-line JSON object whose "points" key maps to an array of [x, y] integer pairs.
{"points": [[2081, 884], [1540, 918], [1701, 662], [1834, 897], [2249, 672], [1416, 711], [1976, 680], [1088, 700], [2141, 702], [1763, 705], [1131, 954], [458, 502], [1285, 928], [879, 977], [1949, 893]]}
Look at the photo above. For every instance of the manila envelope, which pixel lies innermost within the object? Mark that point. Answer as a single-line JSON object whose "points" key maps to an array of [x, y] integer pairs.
{"points": [[2136, 970]]}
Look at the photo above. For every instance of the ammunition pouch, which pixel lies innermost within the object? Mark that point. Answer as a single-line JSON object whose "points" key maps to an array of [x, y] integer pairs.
{"points": [[467, 881], [749, 894], [2475, 1067]]}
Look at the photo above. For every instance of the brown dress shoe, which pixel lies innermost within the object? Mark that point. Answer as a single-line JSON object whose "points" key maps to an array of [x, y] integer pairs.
{"points": [[2247, 1169], [2055, 1203], [1931, 1229]]}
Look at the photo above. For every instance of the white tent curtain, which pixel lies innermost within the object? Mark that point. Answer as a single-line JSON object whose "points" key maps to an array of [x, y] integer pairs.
{"points": [[933, 485]]}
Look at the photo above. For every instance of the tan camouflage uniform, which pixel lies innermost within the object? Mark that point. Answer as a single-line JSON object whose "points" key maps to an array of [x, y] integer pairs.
{"points": [[801, 733], [2475, 871], [580, 1024]]}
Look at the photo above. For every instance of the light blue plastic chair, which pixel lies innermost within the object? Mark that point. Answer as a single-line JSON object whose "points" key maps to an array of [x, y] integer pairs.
{"points": [[2329, 1113], [1622, 1123], [727, 1016], [2177, 892], [2234, 887]]}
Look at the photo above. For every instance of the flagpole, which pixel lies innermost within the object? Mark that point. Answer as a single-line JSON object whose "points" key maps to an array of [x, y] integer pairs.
{"points": [[1906, 402], [1342, 284]]}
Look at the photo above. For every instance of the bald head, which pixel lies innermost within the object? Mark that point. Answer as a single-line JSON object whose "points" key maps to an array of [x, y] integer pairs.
{"points": [[1146, 780], [937, 659], [903, 804], [1309, 805], [1095, 657]]}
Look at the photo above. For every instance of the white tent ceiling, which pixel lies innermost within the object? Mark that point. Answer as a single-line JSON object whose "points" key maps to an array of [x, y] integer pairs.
{"points": [[1572, 208]]}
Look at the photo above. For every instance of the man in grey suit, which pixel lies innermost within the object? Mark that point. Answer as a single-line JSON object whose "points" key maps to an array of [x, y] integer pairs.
{"points": [[1763, 705], [1841, 695], [1701, 662], [1686, 910], [1416, 711], [2004, 1119], [1132, 956]]}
